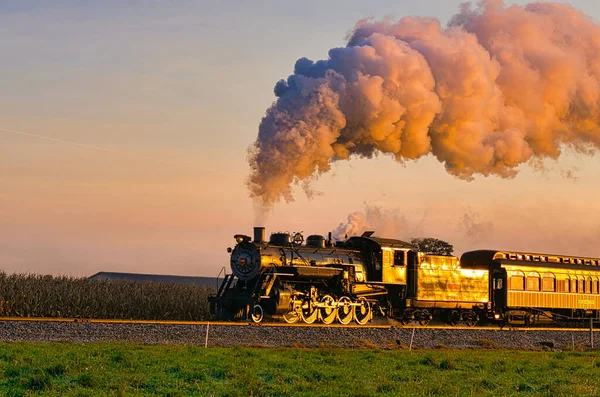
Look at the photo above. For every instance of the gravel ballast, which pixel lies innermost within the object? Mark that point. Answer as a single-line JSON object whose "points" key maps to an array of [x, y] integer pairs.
{"points": [[309, 337]]}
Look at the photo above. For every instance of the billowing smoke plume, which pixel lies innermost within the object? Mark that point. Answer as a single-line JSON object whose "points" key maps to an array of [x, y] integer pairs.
{"points": [[497, 87], [384, 222]]}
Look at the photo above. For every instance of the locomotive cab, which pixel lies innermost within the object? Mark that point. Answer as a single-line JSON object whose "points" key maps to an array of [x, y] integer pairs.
{"points": [[386, 260]]}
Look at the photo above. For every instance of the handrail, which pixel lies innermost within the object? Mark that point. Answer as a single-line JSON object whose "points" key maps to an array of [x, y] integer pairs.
{"points": [[224, 272]]}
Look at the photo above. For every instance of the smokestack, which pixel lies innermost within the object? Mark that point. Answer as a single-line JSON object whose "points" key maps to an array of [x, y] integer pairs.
{"points": [[259, 234]]}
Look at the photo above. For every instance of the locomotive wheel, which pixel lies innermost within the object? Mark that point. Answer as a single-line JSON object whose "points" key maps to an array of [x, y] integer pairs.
{"points": [[406, 317], [309, 314], [345, 310], [329, 311], [470, 318], [257, 314], [453, 317], [362, 313], [291, 317], [424, 316]]}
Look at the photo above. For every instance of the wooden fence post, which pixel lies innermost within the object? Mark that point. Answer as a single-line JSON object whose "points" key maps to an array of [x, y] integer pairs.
{"points": [[411, 339], [592, 332], [206, 340]]}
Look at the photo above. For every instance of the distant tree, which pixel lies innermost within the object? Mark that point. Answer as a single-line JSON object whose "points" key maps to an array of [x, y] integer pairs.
{"points": [[432, 246]]}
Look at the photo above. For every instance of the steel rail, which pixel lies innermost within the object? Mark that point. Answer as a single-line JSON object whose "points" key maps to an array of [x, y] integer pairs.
{"points": [[275, 324]]}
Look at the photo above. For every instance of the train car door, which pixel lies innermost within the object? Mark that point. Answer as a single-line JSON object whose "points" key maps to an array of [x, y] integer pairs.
{"points": [[499, 288]]}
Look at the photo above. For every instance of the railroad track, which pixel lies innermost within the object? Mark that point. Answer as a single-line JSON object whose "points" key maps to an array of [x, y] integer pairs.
{"points": [[284, 325]]}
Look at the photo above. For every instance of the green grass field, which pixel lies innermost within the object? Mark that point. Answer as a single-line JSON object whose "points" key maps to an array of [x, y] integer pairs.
{"points": [[122, 370]]}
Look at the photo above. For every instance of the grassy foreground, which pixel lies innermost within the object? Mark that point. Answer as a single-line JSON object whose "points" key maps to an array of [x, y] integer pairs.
{"points": [[122, 370]]}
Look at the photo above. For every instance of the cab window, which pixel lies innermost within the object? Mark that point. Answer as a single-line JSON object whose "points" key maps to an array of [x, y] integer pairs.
{"points": [[399, 258]]}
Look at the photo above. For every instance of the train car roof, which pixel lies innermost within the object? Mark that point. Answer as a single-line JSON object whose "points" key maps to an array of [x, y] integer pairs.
{"points": [[480, 257], [477, 257], [386, 242]]}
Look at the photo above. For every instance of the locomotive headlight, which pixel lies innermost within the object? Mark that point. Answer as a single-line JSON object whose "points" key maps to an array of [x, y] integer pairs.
{"points": [[241, 238], [497, 316]]}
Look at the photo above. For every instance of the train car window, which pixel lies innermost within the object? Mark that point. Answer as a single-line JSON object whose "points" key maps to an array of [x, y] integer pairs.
{"points": [[595, 286], [533, 281], [562, 285], [581, 286], [517, 283], [399, 258], [588, 285], [498, 283], [574, 284], [549, 282]]}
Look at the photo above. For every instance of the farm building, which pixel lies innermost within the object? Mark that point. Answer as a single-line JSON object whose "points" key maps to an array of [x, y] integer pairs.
{"points": [[154, 278]]}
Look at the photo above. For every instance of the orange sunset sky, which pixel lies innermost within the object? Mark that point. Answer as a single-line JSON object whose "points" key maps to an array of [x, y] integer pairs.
{"points": [[124, 129]]}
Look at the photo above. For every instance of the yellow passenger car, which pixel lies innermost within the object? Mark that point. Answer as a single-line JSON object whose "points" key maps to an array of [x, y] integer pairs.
{"points": [[529, 286]]}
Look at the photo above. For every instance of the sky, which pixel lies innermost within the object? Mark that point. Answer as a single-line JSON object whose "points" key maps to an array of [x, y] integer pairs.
{"points": [[124, 129]]}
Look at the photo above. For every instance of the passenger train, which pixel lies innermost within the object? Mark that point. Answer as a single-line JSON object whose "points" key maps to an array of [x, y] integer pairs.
{"points": [[364, 277]]}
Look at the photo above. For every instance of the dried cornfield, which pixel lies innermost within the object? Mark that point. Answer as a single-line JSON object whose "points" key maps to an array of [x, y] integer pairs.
{"points": [[31, 295]]}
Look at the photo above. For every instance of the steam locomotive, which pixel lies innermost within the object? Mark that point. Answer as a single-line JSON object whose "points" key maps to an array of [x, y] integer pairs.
{"points": [[365, 276]]}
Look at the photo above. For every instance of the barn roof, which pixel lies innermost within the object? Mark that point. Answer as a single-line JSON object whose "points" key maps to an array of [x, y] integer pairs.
{"points": [[154, 278]]}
